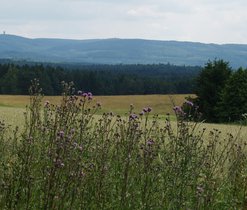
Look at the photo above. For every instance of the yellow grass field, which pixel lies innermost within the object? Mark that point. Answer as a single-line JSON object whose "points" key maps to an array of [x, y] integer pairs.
{"points": [[161, 104], [12, 108]]}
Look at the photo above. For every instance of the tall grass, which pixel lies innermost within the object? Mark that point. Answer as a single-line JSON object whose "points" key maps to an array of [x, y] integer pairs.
{"points": [[64, 158]]}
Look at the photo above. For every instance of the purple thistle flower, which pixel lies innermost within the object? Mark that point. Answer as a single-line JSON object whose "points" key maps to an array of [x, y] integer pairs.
{"points": [[89, 94], [178, 110], [47, 103], [84, 95], [133, 117], [61, 134], [150, 142], [141, 113], [189, 103], [145, 110]]}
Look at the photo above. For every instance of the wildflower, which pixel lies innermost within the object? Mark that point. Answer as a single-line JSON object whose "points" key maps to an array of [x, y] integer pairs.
{"points": [[47, 103], [89, 95], [141, 113], [84, 95], [133, 117], [61, 134], [147, 109], [150, 142], [178, 110], [79, 92], [189, 103]]}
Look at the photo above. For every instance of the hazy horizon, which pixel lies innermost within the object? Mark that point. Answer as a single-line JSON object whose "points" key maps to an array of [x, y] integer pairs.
{"points": [[204, 21], [134, 38]]}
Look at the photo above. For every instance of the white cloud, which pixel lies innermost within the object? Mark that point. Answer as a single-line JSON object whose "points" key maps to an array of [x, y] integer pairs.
{"points": [[146, 12], [218, 21]]}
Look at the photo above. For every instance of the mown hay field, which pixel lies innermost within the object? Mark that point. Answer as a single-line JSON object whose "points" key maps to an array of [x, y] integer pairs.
{"points": [[161, 104], [12, 109], [13, 106]]}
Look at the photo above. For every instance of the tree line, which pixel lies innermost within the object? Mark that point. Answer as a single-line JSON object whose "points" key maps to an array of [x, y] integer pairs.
{"points": [[221, 92], [99, 79]]}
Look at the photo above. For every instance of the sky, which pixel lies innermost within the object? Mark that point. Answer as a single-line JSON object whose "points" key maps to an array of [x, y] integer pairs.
{"points": [[207, 21]]}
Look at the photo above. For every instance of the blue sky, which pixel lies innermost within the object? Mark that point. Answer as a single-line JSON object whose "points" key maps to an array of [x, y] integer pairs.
{"points": [[208, 21]]}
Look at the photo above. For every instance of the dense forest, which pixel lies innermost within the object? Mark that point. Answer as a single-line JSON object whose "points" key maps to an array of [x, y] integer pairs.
{"points": [[99, 79]]}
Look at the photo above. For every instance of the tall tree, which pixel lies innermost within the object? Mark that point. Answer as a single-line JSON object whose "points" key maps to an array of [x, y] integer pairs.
{"points": [[233, 103], [209, 85]]}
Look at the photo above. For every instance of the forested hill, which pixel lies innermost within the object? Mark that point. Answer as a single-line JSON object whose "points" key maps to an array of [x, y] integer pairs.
{"points": [[116, 51], [99, 79]]}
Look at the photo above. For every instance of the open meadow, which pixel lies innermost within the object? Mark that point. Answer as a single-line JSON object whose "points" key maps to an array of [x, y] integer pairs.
{"points": [[77, 155], [161, 104], [12, 108]]}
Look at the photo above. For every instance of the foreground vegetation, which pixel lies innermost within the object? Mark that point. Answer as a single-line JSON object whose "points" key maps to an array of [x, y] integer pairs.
{"points": [[64, 158]]}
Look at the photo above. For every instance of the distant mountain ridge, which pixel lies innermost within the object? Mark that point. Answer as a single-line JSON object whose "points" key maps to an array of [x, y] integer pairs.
{"points": [[117, 51]]}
